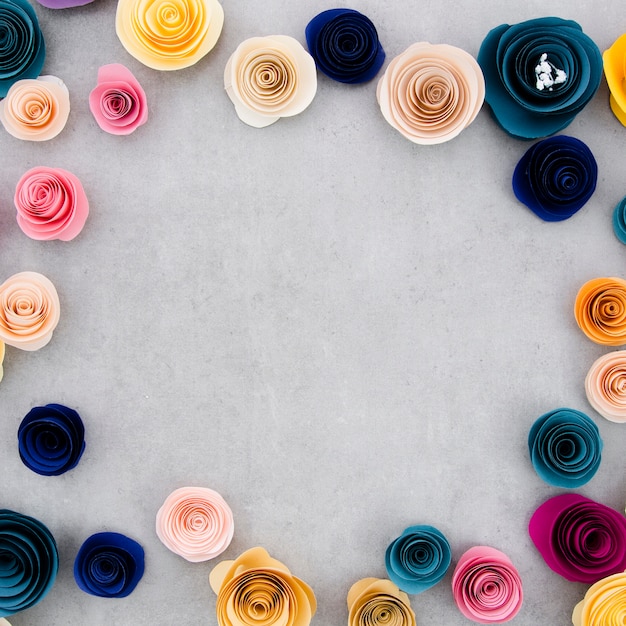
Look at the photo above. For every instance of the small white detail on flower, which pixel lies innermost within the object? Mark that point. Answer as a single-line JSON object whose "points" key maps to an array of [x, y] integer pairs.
{"points": [[547, 75]]}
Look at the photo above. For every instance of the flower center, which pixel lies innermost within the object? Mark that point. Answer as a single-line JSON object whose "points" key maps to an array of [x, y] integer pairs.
{"points": [[548, 75]]}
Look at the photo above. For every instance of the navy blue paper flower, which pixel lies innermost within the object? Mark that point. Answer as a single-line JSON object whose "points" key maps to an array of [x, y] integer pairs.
{"points": [[51, 439], [418, 559], [29, 562], [539, 75], [565, 448], [345, 46], [619, 220], [109, 565], [22, 48], [556, 177]]}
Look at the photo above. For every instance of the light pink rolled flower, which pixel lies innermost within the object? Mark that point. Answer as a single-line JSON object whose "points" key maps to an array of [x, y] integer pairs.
{"points": [[195, 523], [51, 204], [605, 385], [118, 101]]}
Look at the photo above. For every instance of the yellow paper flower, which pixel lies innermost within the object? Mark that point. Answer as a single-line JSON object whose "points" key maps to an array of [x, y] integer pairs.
{"points": [[169, 34], [378, 602], [615, 71], [604, 603]]}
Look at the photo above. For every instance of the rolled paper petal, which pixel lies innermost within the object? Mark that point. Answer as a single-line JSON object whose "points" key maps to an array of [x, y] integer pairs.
{"points": [[63, 4], [578, 538], [109, 565], [418, 559], [51, 204], [267, 78], [605, 385], [1, 359], [36, 110], [51, 439], [29, 310], [167, 35], [22, 47], [539, 74], [345, 45], [29, 562], [255, 589], [556, 177], [486, 586], [118, 102], [600, 310], [378, 602], [603, 604], [619, 219], [615, 71], [4, 622], [565, 448], [196, 523], [431, 92]]}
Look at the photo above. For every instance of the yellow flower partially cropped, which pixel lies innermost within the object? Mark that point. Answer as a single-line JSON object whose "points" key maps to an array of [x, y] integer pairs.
{"points": [[604, 603], [615, 71], [378, 602]]}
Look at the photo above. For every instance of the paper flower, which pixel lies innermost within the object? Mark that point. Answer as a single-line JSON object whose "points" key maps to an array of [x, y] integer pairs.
{"points": [[556, 177], [4, 622], [604, 603], [1, 359], [51, 439], [267, 78], [605, 385], [431, 92], [418, 559], [255, 589], [486, 586], [619, 220], [29, 562], [578, 538], [29, 310], [565, 448], [539, 75], [167, 35], [196, 523], [36, 110], [378, 602], [109, 565], [63, 4], [600, 310], [51, 204], [615, 71], [345, 46], [22, 47]]}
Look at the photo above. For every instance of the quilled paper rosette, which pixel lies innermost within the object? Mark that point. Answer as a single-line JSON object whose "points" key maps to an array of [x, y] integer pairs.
{"points": [[378, 602], [109, 565], [579, 539], [267, 78], [600, 310], [605, 386], [556, 177], [29, 562], [431, 92], [29, 310], [195, 523], [418, 559], [539, 74], [167, 35], [63, 4], [51, 439], [619, 220], [256, 589], [487, 587], [604, 603], [614, 60], [345, 45]]}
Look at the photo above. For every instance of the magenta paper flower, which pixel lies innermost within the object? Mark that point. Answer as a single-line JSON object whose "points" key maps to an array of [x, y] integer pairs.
{"points": [[63, 4]]}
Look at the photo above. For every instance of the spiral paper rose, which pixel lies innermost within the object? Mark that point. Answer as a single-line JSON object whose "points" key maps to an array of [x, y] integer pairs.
{"points": [[118, 102], [378, 602], [605, 385], [600, 310], [109, 565], [51, 204], [418, 559], [539, 75], [196, 523], [604, 603], [556, 177], [22, 48], [615, 71], [36, 110], [267, 78], [29, 310], [345, 46], [486, 586], [169, 34], [63, 4], [565, 448], [51, 439], [578, 538], [619, 220], [430, 93], [256, 589], [29, 562]]}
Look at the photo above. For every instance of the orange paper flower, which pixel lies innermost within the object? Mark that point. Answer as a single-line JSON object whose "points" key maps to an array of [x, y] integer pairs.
{"points": [[615, 71], [378, 602], [604, 603], [600, 310]]}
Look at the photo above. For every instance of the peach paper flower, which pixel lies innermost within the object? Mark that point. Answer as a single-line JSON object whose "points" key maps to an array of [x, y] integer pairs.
{"points": [[36, 109], [614, 61], [600, 310], [268, 78], [431, 92], [605, 385], [604, 603], [378, 602]]}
